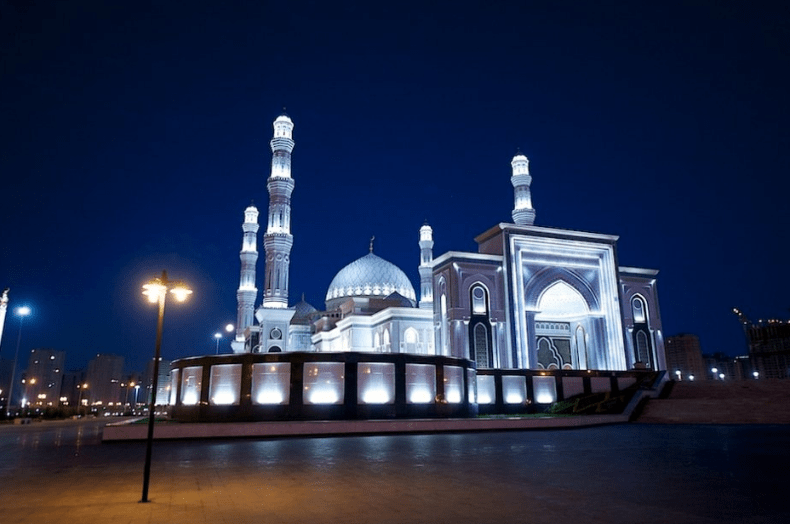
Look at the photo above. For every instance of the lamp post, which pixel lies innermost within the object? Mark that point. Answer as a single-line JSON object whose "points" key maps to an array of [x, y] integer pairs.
{"points": [[136, 389], [21, 312], [156, 291], [81, 387], [218, 336]]}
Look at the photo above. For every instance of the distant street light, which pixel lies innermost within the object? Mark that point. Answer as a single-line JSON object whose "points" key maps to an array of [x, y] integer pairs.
{"points": [[156, 291], [81, 387], [21, 312], [136, 389], [218, 336], [756, 374], [229, 328]]}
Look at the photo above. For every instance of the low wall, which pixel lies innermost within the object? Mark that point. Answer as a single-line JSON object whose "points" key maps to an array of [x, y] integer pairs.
{"points": [[353, 386]]}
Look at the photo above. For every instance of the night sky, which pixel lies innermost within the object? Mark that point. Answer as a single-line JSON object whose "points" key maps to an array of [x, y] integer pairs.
{"points": [[134, 134]]}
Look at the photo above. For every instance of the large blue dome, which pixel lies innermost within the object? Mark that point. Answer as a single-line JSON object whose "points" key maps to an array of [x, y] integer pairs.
{"points": [[370, 277]]}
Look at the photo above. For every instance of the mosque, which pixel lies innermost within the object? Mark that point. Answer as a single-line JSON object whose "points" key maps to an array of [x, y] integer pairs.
{"points": [[535, 315]]}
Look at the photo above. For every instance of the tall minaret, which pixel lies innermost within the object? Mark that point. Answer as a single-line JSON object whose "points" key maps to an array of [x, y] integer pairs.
{"points": [[278, 239], [247, 292], [3, 310], [523, 214], [426, 257]]}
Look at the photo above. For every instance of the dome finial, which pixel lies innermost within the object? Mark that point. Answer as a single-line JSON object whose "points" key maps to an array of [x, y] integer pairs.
{"points": [[371, 242]]}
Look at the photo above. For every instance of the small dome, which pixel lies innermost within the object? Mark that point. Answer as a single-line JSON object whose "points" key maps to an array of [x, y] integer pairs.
{"points": [[284, 118], [303, 312], [370, 277]]}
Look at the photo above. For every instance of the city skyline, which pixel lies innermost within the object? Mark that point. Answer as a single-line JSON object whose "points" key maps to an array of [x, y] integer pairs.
{"points": [[136, 138]]}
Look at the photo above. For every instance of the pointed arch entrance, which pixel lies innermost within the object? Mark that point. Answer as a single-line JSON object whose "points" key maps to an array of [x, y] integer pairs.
{"points": [[561, 323]]}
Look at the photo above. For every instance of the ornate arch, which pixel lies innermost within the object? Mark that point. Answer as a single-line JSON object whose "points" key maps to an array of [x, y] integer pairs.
{"points": [[548, 276]]}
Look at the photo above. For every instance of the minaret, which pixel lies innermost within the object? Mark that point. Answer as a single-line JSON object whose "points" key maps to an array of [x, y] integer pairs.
{"points": [[523, 214], [426, 257], [3, 311], [247, 292], [278, 240]]}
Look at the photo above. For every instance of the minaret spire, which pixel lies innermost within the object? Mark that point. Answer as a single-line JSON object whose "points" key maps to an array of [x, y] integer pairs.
{"points": [[247, 293], [426, 269], [278, 240], [523, 213]]}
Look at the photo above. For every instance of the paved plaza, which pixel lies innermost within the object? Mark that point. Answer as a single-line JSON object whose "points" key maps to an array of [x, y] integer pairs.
{"points": [[60, 472]]}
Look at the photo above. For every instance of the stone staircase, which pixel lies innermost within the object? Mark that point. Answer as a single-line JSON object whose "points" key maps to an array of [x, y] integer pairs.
{"points": [[721, 402]]}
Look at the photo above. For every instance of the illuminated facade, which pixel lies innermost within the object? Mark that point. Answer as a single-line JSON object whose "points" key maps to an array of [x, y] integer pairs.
{"points": [[532, 297], [536, 315]]}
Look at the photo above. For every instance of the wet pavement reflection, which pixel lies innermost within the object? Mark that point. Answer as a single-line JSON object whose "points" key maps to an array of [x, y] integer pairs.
{"points": [[703, 473]]}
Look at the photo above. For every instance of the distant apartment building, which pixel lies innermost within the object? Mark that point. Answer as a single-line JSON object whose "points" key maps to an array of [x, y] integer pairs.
{"points": [[43, 377], [71, 391], [163, 383], [720, 366], [103, 379], [5, 380], [684, 357]]}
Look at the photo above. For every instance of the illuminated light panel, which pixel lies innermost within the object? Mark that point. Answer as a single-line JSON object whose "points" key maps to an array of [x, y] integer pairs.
{"points": [[453, 384], [486, 394], [376, 382], [471, 379], [190, 398], [225, 384], [323, 396], [324, 383], [271, 383], [191, 385], [377, 396], [545, 389], [514, 389], [420, 383], [270, 397], [224, 398]]}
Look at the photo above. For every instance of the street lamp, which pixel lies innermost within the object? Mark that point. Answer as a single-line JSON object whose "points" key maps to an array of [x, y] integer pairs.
{"points": [[81, 387], [156, 291], [218, 336], [136, 389], [21, 312]]}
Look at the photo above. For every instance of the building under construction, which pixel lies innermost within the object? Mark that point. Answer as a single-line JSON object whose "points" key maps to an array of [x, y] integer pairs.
{"points": [[769, 346]]}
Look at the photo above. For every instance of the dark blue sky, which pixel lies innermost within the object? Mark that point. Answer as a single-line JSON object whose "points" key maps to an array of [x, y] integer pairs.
{"points": [[133, 136]]}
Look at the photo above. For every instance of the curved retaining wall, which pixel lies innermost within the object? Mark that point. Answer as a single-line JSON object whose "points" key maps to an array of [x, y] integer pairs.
{"points": [[321, 386]]}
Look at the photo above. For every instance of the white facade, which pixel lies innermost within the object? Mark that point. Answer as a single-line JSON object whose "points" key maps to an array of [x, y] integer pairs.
{"points": [[532, 297]]}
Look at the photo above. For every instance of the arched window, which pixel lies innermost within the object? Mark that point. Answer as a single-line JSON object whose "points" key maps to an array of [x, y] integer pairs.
{"points": [[642, 347], [444, 339], [481, 346], [639, 310], [479, 300], [376, 341], [581, 348], [410, 339], [386, 337]]}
